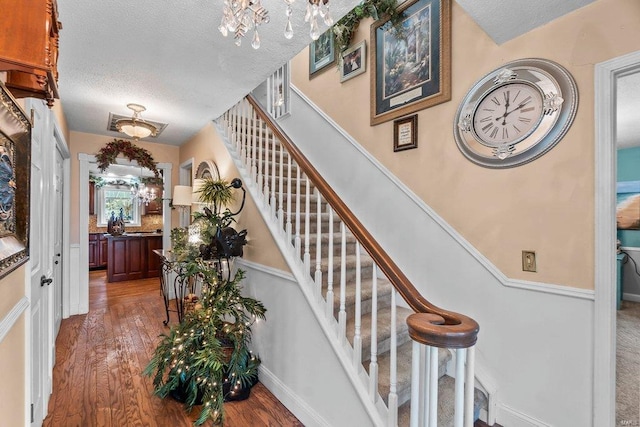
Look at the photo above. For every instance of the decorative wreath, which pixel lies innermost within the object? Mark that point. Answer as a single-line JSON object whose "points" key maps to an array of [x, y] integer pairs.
{"points": [[108, 154]]}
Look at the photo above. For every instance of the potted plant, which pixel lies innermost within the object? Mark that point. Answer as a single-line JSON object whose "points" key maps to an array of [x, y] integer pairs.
{"points": [[205, 359]]}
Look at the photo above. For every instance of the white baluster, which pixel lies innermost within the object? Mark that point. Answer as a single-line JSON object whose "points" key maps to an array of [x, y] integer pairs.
{"points": [[297, 241], [307, 213], [288, 226], [426, 374], [469, 387], [433, 386], [265, 170], [281, 190], [393, 371], [373, 365], [253, 170], [357, 338], [329, 311], [260, 153], [459, 388], [272, 202], [318, 275], [342, 314], [416, 369]]}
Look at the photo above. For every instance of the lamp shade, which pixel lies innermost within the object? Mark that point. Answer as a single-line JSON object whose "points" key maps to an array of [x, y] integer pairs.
{"points": [[182, 195]]}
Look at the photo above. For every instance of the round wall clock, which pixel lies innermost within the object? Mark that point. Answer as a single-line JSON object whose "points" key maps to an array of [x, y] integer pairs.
{"points": [[516, 113]]}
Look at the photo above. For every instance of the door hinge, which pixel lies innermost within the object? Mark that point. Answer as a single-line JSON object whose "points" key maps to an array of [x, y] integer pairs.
{"points": [[32, 412]]}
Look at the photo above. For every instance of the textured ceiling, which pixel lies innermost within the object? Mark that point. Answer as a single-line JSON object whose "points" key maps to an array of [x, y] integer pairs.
{"points": [[170, 57]]}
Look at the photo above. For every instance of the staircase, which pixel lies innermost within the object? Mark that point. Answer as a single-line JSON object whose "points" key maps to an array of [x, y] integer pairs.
{"points": [[359, 302]]}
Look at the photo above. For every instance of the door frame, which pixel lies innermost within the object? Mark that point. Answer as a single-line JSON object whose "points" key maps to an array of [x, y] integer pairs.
{"points": [[62, 146], [186, 178], [604, 355], [79, 294]]}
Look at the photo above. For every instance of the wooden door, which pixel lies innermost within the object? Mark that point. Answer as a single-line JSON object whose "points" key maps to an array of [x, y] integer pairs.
{"points": [[57, 243], [40, 270]]}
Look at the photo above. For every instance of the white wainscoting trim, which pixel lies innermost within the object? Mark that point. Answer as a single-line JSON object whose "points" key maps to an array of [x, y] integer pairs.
{"points": [[510, 417], [276, 272], [290, 400], [512, 283], [12, 317]]}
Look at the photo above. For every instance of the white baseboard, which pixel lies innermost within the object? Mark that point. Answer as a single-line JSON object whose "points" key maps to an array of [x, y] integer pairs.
{"points": [[510, 417], [290, 400], [631, 297]]}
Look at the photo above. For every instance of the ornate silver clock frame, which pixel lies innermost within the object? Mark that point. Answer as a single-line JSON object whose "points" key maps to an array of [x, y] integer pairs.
{"points": [[516, 113]]}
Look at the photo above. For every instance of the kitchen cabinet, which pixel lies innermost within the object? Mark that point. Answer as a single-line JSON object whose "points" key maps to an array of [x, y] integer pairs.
{"points": [[29, 48], [97, 250], [131, 257], [92, 198]]}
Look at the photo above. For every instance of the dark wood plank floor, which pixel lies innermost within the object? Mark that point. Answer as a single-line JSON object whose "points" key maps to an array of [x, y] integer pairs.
{"points": [[97, 378]]}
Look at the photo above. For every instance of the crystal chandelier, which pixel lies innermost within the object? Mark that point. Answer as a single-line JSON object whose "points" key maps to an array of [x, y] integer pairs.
{"points": [[241, 16], [142, 194]]}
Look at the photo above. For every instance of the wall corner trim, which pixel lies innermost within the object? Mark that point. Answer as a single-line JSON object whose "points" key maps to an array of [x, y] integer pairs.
{"points": [[12, 317]]}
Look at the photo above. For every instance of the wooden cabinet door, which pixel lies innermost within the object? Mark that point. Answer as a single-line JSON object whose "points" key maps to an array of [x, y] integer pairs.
{"points": [[135, 261], [117, 266], [153, 260], [93, 250], [102, 249]]}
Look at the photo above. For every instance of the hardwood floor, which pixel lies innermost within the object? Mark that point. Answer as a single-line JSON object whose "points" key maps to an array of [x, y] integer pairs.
{"points": [[97, 378]]}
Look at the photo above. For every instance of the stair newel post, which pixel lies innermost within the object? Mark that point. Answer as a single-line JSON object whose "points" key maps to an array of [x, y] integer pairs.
{"points": [[260, 140], [297, 240], [393, 360], [288, 225], [272, 202], [329, 311], [318, 275], [357, 339], [307, 214], [433, 386], [342, 314], [281, 189], [469, 386], [373, 366], [459, 388]]}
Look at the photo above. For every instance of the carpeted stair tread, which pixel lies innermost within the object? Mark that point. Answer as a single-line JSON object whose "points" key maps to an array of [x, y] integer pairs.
{"points": [[384, 330]]}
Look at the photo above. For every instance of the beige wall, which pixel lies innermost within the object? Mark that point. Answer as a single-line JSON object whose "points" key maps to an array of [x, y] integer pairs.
{"points": [[90, 144], [261, 247], [547, 205], [12, 352]]}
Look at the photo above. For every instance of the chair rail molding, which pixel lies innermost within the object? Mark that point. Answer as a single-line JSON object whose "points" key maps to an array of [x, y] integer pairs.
{"points": [[12, 317]]}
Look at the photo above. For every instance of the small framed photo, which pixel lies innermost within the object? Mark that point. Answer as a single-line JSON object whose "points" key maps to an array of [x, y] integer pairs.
{"points": [[321, 53], [353, 61], [405, 133]]}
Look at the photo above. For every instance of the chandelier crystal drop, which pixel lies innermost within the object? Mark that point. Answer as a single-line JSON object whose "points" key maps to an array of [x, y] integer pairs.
{"points": [[239, 17], [142, 194]]}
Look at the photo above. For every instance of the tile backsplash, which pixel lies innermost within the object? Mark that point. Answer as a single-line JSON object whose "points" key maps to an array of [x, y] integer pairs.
{"points": [[149, 223]]}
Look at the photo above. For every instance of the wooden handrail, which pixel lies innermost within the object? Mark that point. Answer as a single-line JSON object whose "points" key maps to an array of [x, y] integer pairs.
{"points": [[431, 325]]}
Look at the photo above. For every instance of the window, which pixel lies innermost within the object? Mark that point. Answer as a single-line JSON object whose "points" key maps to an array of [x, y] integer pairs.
{"points": [[112, 198]]}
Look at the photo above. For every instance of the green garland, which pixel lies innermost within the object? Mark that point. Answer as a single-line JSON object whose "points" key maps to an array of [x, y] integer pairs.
{"points": [[344, 29], [108, 154]]}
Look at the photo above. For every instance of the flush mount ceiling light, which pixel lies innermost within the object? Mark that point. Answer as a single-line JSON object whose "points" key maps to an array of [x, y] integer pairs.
{"points": [[136, 127], [241, 16]]}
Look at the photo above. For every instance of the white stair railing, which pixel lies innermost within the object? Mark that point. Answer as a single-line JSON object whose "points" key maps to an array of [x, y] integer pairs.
{"points": [[313, 230]]}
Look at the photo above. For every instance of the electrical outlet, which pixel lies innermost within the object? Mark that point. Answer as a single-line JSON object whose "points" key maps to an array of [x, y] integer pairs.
{"points": [[529, 261]]}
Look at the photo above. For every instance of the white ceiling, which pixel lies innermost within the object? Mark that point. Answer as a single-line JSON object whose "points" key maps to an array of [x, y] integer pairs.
{"points": [[170, 57]]}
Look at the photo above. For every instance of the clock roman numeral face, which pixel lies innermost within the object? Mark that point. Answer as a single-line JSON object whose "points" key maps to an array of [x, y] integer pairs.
{"points": [[507, 114]]}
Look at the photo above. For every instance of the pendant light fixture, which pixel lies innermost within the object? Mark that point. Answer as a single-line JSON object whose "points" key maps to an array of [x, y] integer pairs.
{"points": [[136, 127]]}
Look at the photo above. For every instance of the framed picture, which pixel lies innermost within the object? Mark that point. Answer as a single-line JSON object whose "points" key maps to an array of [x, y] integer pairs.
{"points": [[321, 53], [353, 61], [405, 133], [628, 205], [15, 172], [411, 62]]}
